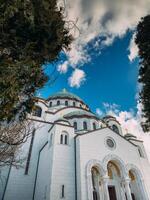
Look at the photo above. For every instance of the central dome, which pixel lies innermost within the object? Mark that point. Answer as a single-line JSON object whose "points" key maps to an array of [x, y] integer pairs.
{"points": [[64, 94]]}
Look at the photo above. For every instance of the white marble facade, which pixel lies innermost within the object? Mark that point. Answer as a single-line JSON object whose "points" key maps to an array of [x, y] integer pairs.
{"points": [[75, 155]]}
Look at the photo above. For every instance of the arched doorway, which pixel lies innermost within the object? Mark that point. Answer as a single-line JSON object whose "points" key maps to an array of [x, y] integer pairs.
{"points": [[113, 180], [95, 174], [136, 185], [114, 183]]}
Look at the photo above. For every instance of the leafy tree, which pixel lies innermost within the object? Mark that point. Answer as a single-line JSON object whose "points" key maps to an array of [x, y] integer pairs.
{"points": [[32, 33], [143, 42]]}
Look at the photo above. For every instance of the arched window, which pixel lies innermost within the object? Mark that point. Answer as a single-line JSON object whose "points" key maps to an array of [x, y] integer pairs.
{"points": [[50, 104], [94, 126], [75, 125], [74, 104], [37, 111], [61, 139], [115, 128], [66, 103], [58, 103], [84, 125], [80, 105], [64, 138]]}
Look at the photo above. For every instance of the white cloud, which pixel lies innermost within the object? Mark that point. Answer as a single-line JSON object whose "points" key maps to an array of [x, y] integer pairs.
{"points": [[133, 49], [106, 18], [130, 123], [77, 78], [99, 111], [62, 68], [111, 108]]}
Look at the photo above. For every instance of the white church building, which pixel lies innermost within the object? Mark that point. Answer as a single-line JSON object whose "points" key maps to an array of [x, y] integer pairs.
{"points": [[74, 155]]}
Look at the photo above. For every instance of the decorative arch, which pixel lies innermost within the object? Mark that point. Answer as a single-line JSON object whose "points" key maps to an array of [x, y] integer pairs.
{"points": [[93, 163], [117, 160], [97, 164], [135, 169], [140, 180]]}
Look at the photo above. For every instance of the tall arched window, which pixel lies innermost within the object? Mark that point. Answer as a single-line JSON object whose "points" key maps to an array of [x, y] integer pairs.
{"points": [[61, 139], [37, 111], [115, 128], [74, 104], [94, 126], [58, 103], [66, 139], [66, 103], [50, 104], [84, 125], [75, 125], [63, 191]]}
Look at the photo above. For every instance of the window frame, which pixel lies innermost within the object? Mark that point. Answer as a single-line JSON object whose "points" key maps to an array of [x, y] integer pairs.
{"points": [[75, 125], [94, 126], [58, 102], [37, 111], [74, 104], [61, 139], [115, 128], [66, 103], [85, 127]]}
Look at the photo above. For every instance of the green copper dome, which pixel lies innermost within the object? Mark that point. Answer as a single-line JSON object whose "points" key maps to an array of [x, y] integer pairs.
{"points": [[81, 113], [64, 94]]}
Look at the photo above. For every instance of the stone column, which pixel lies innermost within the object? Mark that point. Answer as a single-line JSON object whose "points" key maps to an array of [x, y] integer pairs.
{"points": [[90, 187], [105, 187], [127, 188]]}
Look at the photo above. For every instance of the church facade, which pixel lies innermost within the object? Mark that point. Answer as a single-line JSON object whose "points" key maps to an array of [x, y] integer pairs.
{"points": [[74, 155]]}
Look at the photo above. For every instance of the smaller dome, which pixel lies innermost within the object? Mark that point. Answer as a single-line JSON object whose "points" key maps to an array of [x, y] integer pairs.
{"points": [[62, 121], [64, 94], [81, 113], [108, 118]]}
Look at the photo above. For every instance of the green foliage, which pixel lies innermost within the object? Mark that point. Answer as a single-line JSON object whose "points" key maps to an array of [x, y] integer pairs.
{"points": [[32, 33], [143, 42]]}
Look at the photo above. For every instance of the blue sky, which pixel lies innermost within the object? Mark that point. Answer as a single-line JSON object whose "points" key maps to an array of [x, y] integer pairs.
{"points": [[110, 77], [98, 67]]}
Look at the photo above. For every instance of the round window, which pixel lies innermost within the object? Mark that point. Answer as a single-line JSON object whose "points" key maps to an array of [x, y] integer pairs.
{"points": [[110, 143]]}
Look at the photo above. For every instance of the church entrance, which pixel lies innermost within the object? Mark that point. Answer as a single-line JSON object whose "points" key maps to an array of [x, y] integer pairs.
{"points": [[112, 193], [113, 183]]}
